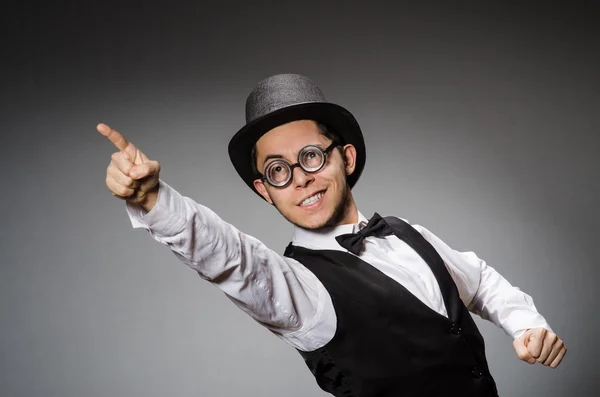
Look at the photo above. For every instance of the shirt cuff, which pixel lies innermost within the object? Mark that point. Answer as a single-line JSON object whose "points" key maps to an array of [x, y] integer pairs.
{"points": [[166, 218], [522, 321]]}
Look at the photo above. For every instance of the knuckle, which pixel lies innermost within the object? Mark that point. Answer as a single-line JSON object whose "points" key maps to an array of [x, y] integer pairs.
{"points": [[122, 191], [128, 181]]}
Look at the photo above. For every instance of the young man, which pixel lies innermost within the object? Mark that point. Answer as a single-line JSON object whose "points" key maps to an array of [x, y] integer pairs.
{"points": [[376, 307]]}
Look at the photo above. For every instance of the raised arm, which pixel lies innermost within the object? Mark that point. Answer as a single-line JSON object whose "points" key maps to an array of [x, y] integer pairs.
{"points": [[277, 292]]}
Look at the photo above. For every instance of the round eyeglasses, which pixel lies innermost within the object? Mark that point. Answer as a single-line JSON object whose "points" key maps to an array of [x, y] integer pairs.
{"points": [[311, 159]]}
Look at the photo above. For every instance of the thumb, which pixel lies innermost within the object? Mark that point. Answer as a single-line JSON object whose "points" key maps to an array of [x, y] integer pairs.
{"points": [[522, 351], [134, 155], [144, 170], [131, 153], [141, 157]]}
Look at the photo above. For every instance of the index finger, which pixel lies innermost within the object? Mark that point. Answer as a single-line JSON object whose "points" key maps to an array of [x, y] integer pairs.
{"points": [[114, 136]]}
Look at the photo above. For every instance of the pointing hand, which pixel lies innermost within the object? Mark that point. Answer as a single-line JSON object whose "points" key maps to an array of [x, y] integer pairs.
{"points": [[130, 175]]}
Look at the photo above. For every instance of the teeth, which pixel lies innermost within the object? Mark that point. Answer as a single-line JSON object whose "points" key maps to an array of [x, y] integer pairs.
{"points": [[311, 199]]}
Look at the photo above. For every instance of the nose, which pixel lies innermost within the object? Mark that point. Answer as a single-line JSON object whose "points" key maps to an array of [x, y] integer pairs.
{"points": [[301, 178]]}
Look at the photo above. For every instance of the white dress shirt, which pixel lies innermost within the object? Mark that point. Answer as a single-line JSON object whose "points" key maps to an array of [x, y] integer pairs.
{"points": [[287, 298]]}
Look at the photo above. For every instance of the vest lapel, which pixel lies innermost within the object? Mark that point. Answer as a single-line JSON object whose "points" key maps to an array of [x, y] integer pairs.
{"points": [[416, 241]]}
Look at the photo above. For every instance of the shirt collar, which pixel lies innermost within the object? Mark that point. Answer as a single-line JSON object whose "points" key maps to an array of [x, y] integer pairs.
{"points": [[324, 238]]}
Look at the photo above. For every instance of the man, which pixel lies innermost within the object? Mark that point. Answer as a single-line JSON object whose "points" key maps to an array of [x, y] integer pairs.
{"points": [[377, 307]]}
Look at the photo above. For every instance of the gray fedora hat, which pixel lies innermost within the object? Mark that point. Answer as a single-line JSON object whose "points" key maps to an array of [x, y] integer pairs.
{"points": [[281, 99]]}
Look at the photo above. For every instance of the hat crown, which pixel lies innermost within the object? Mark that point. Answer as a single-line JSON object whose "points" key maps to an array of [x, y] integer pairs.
{"points": [[280, 91]]}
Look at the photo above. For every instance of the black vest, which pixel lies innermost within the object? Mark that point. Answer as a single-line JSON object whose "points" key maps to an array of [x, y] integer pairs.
{"points": [[389, 343]]}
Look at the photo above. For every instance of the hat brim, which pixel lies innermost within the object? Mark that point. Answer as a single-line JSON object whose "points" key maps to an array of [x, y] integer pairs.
{"points": [[334, 116]]}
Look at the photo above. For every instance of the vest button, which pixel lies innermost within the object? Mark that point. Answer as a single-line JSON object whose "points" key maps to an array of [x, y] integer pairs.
{"points": [[476, 372], [455, 329]]}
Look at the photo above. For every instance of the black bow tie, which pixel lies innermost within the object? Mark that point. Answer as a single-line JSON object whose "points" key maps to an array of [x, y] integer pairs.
{"points": [[353, 242]]}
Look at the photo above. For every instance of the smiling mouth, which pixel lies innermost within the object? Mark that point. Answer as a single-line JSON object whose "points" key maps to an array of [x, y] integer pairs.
{"points": [[312, 199]]}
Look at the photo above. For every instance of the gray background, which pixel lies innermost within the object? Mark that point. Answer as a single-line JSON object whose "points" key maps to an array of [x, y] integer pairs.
{"points": [[481, 124]]}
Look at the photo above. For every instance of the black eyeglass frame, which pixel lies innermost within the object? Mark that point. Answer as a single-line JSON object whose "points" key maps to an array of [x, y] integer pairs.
{"points": [[324, 152]]}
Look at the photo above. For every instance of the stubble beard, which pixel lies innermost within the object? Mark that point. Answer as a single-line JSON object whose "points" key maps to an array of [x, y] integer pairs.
{"points": [[340, 211]]}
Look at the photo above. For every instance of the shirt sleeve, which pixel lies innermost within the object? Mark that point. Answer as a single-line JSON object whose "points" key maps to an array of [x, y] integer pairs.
{"points": [[486, 292], [274, 290]]}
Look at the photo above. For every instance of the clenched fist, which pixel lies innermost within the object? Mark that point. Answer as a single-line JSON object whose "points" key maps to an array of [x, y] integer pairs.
{"points": [[541, 345], [130, 175]]}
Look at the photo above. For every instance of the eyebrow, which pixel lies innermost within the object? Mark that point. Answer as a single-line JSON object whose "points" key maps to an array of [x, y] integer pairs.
{"points": [[272, 156], [279, 156]]}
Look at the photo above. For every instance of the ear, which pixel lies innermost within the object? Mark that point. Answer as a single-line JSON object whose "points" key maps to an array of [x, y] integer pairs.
{"points": [[349, 157], [259, 185]]}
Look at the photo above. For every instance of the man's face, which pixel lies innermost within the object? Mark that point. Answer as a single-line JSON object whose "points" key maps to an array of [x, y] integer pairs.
{"points": [[335, 204]]}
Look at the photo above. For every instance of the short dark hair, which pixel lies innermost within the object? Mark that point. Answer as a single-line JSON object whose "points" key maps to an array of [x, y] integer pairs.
{"points": [[323, 130]]}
